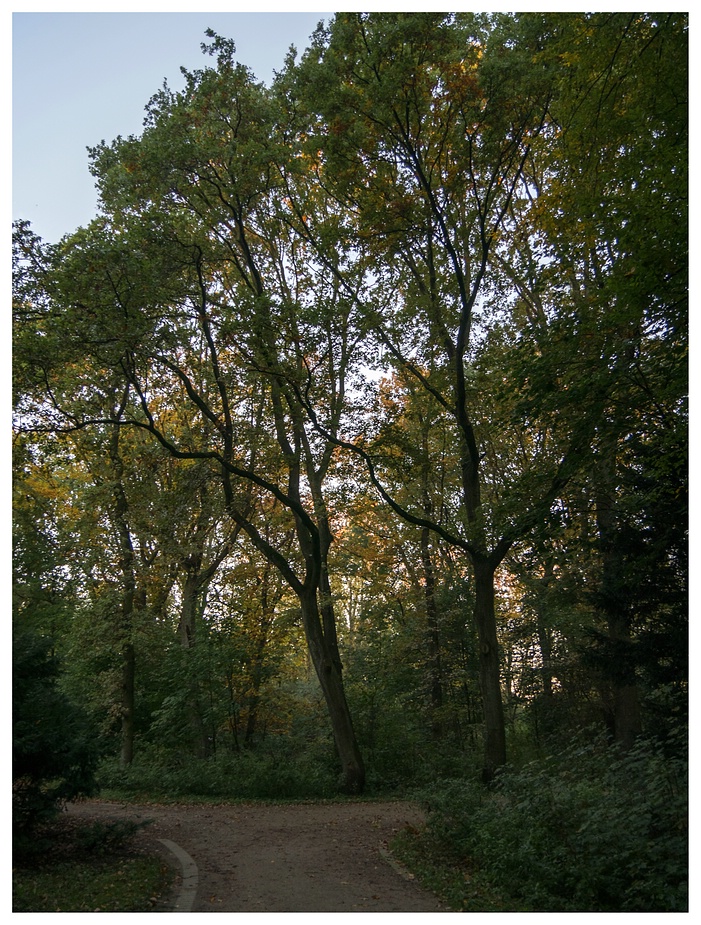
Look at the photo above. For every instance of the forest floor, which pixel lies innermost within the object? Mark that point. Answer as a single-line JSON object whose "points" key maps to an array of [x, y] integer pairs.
{"points": [[303, 857]]}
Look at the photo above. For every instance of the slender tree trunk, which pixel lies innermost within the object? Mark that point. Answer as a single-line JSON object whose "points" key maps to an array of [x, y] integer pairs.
{"points": [[126, 549], [626, 703], [252, 718], [544, 633], [489, 669], [188, 609], [544, 714], [316, 604], [328, 670], [256, 673], [322, 638], [483, 568], [615, 605], [126, 755], [434, 649], [546, 672], [429, 585], [191, 588]]}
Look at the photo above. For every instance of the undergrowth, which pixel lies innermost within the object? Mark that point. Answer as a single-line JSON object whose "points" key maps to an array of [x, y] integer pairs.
{"points": [[588, 830], [79, 867], [225, 776]]}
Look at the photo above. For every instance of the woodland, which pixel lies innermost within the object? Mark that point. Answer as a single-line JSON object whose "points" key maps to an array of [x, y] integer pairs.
{"points": [[350, 446]]}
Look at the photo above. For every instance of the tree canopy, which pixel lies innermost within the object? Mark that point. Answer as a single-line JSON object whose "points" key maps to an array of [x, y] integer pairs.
{"points": [[388, 358]]}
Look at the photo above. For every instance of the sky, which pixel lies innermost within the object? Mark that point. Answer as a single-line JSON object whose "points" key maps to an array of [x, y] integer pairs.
{"points": [[79, 78]]}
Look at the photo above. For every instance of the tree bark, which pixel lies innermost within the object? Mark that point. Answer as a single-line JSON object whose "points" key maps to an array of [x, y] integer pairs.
{"points": [[544, 634], [434, 649], [191, 589], [126, 564], [319, 618], [188, 609], [126, 754], [489, 668], [328, 669]]}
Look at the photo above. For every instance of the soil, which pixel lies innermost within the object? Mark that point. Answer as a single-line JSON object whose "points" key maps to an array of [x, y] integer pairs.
{"points": [[304, 857]]}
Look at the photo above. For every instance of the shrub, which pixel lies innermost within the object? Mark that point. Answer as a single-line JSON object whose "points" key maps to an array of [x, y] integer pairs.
{"points": [[592, 829], [103, 838], [242, 775], [54, 756]]}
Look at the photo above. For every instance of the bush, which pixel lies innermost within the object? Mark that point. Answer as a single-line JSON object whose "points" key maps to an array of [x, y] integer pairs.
{"points": [[104, 838], [242, 775], [54, 756], [591, 829], [89, 867]]}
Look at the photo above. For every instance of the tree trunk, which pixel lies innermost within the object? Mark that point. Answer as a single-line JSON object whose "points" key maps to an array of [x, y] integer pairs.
{"points": [[126, 564], [321, 637], [546, 671], [544, 633], [434, 649], [627, 721], [188, 609], [489, 669], [126, 755], [191, 588], [256, 680], [320, 624], [615, 603], [328, 670]]}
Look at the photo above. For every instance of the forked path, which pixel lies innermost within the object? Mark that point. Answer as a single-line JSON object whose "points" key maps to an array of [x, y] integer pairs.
{"points": [[303, 857]]}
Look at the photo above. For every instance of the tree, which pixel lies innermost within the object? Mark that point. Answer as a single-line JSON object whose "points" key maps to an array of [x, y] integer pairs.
{"points": [[436, 155], [196, 289], [621, 171], [426, 249], [440, 133], [54, 754]]}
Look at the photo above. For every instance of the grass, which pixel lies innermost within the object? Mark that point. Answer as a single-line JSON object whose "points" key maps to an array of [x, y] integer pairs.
{"points": [[456, 883], [91, 868]]}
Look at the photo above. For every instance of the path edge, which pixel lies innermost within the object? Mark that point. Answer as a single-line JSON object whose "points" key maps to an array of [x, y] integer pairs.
{"points": [[188, 889]]}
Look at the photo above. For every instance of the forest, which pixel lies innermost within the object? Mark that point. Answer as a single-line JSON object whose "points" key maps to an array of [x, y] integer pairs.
{"points": [[350, 446]]}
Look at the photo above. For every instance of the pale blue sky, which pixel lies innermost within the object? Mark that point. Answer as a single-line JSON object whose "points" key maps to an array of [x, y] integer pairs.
{"points": [[79, 78]]}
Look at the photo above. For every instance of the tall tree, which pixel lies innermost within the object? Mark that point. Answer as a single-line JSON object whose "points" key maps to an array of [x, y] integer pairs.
{"points": [[463, 202], [428, 134], [440, 133], [200, 291], [620, 181]]}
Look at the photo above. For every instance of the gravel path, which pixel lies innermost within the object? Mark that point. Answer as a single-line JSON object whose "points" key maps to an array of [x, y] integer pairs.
{"points": [[316, 857]]}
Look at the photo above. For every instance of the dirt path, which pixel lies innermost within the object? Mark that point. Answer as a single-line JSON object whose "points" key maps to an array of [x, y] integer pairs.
{"points": [[327, 857]]}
